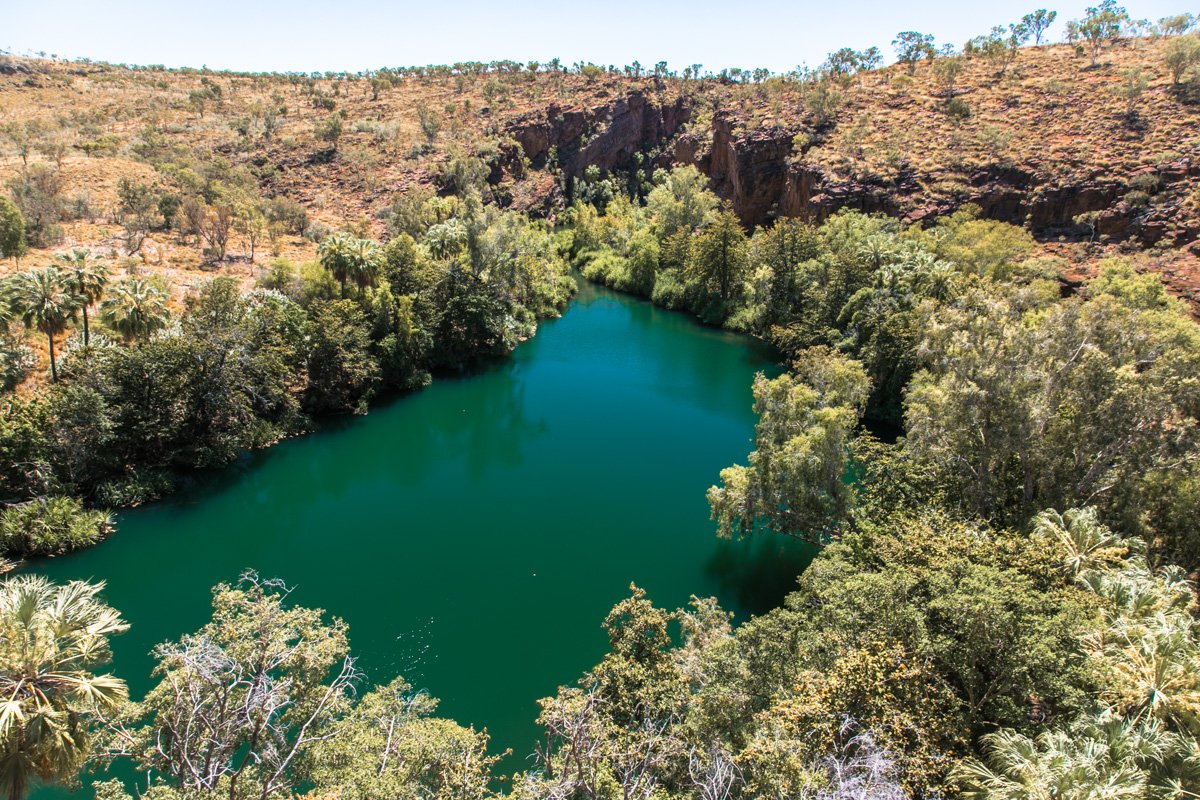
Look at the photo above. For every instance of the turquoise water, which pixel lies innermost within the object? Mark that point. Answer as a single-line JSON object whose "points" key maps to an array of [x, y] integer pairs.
{"points": [[475, 534]]}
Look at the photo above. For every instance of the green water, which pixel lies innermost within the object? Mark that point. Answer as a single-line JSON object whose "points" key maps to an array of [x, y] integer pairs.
{"points": [[475, 534]]}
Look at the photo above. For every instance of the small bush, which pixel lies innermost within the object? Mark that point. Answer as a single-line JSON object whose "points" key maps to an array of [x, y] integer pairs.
{"points": [[669, 290], [608, 268], [1147, 183], [141, 486], [317, 232], [1137, 199], [289, 213], [958, 109]]}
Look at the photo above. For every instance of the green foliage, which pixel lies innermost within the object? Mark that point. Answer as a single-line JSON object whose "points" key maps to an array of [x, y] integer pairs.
{"points": [[389, 745], [911, 47], [84, 278], [796, 479], [1038, 22], [342, 375], [37, 193], [717, 265], [1138, 738], [52, 639], [45, 302], [351, 260], [12, 230], [1026, 403], [135, 308], [241, 702], [329, 129], [51, 526], [1101, 25], [1181, 55]]}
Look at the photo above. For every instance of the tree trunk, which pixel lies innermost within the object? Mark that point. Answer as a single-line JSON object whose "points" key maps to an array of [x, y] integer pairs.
{"points": [[53, 364], [87, 337]]}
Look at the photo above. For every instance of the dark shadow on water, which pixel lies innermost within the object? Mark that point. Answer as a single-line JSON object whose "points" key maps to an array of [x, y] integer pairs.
{"points": [[759, 572]]}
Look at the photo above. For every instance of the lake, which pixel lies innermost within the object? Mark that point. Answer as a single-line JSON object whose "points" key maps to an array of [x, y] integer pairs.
{"points": [[475, 534]]}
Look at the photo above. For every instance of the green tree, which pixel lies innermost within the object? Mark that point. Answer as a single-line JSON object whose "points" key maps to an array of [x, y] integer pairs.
{"points": [[84, 278], [1038, 22], [52, 639], [390, 745], [1101, 25], [718, 262], [350, 259], [135, 308], [329, 129], [1181, 54], [1027, 402], [911, 47], [241, 702], [342, 374], [796, 479], [12, 230], [680, 201], [45, 302], [1138, 737]]}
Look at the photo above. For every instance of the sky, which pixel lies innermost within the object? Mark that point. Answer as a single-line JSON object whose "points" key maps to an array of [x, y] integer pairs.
{"points": [[354, 35]]}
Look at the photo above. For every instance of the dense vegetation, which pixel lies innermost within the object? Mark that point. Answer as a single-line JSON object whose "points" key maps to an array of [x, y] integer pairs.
{"points": [[152, 393], [1011, 399], [1002, 468]]}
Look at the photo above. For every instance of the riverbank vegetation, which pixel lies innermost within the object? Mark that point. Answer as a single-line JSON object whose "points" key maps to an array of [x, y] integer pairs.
{"points": [[920, 656], [145, 394], [1009, 397]]}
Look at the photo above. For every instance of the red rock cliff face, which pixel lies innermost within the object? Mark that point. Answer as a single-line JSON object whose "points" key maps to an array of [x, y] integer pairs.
{"points": [[606, 136], [763, 175]]}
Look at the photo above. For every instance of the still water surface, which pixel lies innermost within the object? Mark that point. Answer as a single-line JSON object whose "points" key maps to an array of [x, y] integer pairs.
{"points": [[475, 534]]}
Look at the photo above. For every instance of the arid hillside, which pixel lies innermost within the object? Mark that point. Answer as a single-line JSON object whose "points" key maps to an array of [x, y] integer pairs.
{"points": [[1092, 158]]}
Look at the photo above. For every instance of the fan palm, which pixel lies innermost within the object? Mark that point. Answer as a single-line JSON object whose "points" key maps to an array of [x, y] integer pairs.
{"points": [[135, 308], [1085, 543], [85, 278], [44, 301], [1057, 764], [51, 638], [351, 259]]}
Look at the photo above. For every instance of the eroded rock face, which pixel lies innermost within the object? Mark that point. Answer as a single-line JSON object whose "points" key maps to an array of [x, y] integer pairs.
{"points": [[606, 135], [763, 174]]}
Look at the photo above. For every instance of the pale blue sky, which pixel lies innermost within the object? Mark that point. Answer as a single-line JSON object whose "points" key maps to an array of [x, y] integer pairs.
{"points": [[364, 34]]}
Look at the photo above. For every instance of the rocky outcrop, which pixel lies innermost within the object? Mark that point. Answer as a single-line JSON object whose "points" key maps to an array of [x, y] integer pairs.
{"points": [[607, 135], [750, 171], [763, 174]]}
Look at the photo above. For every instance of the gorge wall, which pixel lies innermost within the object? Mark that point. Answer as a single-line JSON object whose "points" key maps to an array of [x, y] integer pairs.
{"points": [[763, 174]]}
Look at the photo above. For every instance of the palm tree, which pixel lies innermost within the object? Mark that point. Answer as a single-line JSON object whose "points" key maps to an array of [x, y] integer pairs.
{"points": [[85, 278], [1114, 758], [1084, 542], [351, 259], [7, 312], [51, 638], [135, 308], [44, 301]]}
